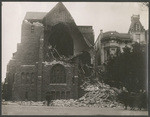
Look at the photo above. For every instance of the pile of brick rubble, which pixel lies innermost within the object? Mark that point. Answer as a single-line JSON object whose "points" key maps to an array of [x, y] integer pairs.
{"points": [[97, 95]]}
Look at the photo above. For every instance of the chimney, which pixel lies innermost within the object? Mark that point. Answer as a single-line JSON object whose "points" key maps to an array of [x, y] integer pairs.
{"points": [[101, 33], [135, 17]]}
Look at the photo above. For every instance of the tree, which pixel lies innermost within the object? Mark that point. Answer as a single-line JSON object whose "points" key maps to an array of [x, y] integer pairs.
{"points": [[129, 69], [144, 5]]}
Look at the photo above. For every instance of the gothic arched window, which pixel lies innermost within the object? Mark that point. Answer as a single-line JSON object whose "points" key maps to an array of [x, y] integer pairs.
{"points": [[28, 78], [63, 96], [13, 78], [23, 77], [53, 93], [68, 95], [32, 78], [57, 94], [58, 74]]}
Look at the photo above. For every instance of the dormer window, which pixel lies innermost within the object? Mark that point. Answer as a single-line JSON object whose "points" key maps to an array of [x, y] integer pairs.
{"points": [[112, 41], [32, 29], [137, 26]]}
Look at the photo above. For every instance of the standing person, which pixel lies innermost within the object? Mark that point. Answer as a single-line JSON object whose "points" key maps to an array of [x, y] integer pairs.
{"points": [[140, 99], [144, 100], [125, 97], [48, 98], [26, 97]]}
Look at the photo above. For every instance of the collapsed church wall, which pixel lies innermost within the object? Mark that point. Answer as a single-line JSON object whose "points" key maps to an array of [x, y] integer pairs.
{"points": [[59, 38]]}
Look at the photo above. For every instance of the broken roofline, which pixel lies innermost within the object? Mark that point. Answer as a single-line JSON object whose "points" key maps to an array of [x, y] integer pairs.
{"points": [[59, 14]]}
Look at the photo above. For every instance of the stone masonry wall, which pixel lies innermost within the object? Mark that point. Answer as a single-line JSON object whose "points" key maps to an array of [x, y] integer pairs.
{"points": [[25, 81], [70, 85], [26, 57]]}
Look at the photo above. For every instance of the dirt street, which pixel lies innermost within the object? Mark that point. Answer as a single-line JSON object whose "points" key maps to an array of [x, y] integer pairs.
{"points": [[44, 110]]}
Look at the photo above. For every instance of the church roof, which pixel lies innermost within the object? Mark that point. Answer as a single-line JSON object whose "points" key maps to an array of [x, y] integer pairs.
{"points": [[88, 33], [58, 14], [35, 15]]}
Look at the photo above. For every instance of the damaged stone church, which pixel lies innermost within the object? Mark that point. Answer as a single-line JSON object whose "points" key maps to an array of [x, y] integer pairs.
{"points": [[52, 50], [56, 56]]}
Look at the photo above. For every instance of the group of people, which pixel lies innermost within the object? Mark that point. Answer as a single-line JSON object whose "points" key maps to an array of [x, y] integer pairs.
{"points": [[129, 99], [133, 99]]}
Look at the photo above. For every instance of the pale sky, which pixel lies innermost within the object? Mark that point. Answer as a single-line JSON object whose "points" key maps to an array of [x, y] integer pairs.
{"points": [[108, 16]]}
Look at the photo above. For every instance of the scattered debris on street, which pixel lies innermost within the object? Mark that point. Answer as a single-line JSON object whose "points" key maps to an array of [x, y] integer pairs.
{"points": [[99, 94]]}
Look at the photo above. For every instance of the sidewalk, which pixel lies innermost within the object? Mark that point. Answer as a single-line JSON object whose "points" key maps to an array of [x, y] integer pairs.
{"points": [[44, 110]]}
